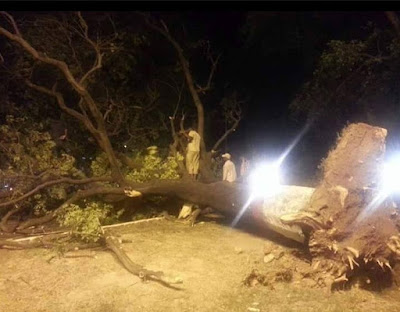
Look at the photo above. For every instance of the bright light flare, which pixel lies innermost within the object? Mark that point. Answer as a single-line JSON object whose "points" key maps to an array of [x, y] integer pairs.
{"points": [[265, 180], [388, 185], [391, 176]]}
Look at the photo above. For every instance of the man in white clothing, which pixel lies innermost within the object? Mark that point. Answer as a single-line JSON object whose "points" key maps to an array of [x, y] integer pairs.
{"points": [[193, 152], [229, 169]]}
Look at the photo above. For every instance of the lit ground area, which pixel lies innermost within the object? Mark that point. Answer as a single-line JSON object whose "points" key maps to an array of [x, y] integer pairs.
{"points": [[212, 260]]}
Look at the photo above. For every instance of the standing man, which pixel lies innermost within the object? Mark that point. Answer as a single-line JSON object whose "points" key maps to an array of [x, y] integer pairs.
{"points": [[193, 152], [229, 169]]}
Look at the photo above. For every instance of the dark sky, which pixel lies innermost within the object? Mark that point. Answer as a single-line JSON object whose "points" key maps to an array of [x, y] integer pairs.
{"points": [[272, 65]]}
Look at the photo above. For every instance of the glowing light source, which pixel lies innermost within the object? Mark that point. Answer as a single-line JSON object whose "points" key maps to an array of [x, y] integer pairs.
{"points": [[391, 176], [265, 180], [388, 185]]}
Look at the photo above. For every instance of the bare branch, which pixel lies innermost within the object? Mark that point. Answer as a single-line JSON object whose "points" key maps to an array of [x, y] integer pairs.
{"points": [[225, 135], [69, 39], [186, 71], [179, 100], [62, 66], [181, 124], [54, 182], [61, 104], [83, 110], [109, 110], [394, 20], [99, 56], [172, 125], [234, 115], [11, 20], [165, 26], [214, 63], [154, 97]]}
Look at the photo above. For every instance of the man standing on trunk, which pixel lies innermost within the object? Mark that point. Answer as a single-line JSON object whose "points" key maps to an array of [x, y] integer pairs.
{"points": [[229, 169], [193, 152]]}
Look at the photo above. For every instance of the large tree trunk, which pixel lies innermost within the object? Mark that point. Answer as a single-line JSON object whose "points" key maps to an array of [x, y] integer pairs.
{"points": [[233, 200], [223, 196]]}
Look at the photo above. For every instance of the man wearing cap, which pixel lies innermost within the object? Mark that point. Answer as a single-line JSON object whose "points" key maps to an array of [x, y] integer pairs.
{"points": [[229, 169]]}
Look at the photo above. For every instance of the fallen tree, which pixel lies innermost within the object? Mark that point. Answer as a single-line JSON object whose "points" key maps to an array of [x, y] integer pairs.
{"points": [[344, 235], [351, 229]]}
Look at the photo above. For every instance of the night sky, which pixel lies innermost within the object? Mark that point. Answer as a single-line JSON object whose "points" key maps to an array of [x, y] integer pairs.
{"points": [[271, 68]]}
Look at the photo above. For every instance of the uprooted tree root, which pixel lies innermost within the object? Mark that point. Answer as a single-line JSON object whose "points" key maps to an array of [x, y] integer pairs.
{"points": [[351, 232], [107, 240]]}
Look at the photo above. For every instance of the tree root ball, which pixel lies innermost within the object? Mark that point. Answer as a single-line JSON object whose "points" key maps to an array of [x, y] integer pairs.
{"points": [[359, 235]]}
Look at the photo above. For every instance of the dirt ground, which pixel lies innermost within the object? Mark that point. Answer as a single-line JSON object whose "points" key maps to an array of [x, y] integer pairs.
{"points": [[213, 261]]}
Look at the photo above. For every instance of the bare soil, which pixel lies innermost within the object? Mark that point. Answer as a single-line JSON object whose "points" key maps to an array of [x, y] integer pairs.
{"points": [[213, 261]]}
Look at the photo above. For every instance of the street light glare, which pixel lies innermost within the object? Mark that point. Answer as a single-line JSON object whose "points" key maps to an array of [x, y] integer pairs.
{"points": [[265, 180], [390, 176], [388, 185]]}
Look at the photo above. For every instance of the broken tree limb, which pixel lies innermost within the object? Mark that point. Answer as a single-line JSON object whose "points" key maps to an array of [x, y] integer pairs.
{"points": [[54, 182], [46, 241], [113, 244]]}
